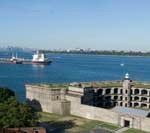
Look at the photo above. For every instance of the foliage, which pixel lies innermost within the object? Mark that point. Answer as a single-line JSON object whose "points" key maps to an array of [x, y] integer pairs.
{"points": [[13, 113], [5, 93]]}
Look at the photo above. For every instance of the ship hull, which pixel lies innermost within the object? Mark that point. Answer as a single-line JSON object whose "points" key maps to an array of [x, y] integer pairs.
{"points": [[42, 62]]}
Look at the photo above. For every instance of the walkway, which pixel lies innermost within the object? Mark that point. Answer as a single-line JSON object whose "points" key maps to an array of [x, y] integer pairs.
{"points": [[121, 130]]}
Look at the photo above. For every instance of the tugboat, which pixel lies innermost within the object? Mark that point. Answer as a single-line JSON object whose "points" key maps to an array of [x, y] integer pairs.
{"points": [[40, 58]]}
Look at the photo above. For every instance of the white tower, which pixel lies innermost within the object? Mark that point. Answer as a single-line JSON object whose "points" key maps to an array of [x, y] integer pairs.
{"points": [[126, 91]]}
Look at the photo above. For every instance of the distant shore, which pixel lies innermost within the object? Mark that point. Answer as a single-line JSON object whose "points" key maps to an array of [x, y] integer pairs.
{"points": [[103, 52]]}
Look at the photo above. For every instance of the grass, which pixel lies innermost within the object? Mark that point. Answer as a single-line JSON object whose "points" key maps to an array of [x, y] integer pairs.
{"points": [[87, 125], [55, 85], [117, 83], [46, 117], [134, 131], [73, 123], [141, 84], [94, 84], [109, 126], [58, 85], [104, 84]]}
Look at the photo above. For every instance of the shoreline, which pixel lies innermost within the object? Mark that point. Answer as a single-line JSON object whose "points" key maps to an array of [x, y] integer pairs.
{"points": [[99, 54]]}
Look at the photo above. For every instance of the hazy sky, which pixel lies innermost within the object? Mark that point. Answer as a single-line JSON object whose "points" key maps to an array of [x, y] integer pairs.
{"points": [[96, 24]]}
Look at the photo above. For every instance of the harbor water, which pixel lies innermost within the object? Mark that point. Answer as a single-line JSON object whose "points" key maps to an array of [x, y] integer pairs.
{"points": [[72, 68]]}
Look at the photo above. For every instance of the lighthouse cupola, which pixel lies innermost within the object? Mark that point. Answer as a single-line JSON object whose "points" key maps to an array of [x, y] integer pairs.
{"points": [[126, 76]]}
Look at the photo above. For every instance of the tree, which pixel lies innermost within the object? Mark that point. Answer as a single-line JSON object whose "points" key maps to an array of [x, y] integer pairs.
{"points": [[13, 113], [5, 93]]}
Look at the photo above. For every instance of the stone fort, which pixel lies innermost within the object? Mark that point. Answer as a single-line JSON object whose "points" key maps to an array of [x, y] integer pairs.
{"points": [[125, 103]]}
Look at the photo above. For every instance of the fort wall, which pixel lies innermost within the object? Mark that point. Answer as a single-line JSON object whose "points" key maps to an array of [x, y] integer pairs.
{"points": [[145, 124], [91, 112], [106, 115], [47, 99], [56, 100]]}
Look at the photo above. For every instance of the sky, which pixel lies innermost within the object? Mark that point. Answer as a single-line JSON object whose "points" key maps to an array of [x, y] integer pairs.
{"points": [[69, 24]]}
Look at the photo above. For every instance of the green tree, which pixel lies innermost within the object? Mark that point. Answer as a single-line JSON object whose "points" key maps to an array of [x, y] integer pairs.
{"points": [[15, 114], [5, 93]]}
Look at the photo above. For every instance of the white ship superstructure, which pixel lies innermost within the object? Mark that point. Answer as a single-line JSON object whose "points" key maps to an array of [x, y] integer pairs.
{"points": [[40, 58]]}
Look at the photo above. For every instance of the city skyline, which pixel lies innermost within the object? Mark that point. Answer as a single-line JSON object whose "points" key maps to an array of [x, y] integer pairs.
{"points": [[102, 25]]}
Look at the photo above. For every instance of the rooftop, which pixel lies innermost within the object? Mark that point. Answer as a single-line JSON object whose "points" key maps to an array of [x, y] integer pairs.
{"points": [[102, 84], [51, 86], [117, 83], [131, 111], [141, 84]]}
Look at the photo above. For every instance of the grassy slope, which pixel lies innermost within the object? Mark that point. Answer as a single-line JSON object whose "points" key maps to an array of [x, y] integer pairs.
{"points": [[134, 131], [78, 123]]}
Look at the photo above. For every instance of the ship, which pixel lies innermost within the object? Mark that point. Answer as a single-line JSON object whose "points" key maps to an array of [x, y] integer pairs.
{"points": [[40, 58], [15, 60]]}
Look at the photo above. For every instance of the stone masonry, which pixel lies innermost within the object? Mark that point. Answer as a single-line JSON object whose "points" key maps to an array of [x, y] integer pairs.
{"points": [[90, 101]]}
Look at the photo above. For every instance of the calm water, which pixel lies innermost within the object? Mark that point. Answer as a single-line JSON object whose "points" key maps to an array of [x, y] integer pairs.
{"points": [[72, 68]]}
